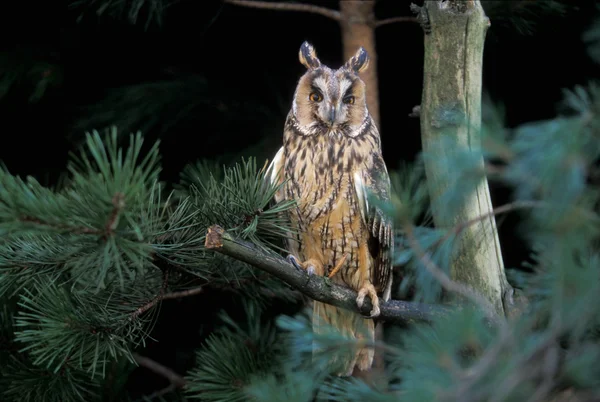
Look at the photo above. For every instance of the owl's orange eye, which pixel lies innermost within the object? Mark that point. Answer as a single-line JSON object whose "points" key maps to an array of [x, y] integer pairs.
{"points": [[348, 100], [315, 97]]}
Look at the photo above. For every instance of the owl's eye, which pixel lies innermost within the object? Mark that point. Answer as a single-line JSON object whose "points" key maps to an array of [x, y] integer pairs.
{"points": [[315, 97], [348, 100]]}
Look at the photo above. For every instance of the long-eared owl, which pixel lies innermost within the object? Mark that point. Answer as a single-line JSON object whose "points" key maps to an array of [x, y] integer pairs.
{"points": [[332, 165]]}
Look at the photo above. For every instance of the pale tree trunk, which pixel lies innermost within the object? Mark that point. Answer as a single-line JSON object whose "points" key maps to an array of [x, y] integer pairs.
{"points": [[451, 111], [358, 29]]}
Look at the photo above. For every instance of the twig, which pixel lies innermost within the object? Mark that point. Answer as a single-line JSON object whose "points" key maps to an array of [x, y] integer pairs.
{"points": [[459, 227], [182, 293], [72, 229], [160, 393], [153, 302], [174, 378], [394, 20], [313, 286], [443, 279], [166, 296], [118, 202], [309, 8], [513, 206]]}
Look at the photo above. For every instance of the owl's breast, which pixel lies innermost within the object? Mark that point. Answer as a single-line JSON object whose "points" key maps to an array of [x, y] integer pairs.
{"points": [[317, 187], [332, 227]]}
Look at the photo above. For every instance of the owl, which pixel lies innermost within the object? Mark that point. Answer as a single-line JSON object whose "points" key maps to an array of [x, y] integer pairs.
{"points": [[331, 164]]}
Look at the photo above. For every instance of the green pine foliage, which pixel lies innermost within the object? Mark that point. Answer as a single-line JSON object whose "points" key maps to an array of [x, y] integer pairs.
{"points": [[82, 266]]}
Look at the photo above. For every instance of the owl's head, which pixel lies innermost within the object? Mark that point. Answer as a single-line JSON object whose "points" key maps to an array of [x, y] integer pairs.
{"points": [[328, 99]]}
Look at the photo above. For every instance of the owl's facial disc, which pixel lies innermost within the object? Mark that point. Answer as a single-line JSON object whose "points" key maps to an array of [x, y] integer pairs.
{"points": [[335, 96]]}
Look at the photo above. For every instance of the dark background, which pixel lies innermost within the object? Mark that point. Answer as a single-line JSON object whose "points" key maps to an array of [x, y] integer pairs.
{"points": [[237, 69]]}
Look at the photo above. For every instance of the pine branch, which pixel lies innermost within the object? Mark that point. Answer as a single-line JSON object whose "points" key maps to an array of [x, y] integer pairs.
{"points": [[175, 379], [309, 8], [183, 293], [167, 296], [392, 20], [154, 301], [317, 288]]}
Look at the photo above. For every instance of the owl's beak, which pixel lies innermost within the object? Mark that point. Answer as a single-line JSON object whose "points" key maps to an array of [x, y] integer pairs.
{"points": [[332, 114]]}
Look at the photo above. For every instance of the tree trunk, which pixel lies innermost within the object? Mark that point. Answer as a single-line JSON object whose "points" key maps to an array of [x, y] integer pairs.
{"points": [[358, 29], [451, 111]]}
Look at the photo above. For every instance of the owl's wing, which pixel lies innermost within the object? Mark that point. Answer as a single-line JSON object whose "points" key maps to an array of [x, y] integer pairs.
{"points": [[376, 181], [274, 173]]}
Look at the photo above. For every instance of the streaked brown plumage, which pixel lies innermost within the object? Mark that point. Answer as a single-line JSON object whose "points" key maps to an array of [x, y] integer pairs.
{"points": [[331, 159]]}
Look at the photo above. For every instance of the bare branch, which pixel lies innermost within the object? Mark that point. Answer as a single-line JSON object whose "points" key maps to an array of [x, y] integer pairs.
{"points": [[182, 293], [442, 278], [175, 379], [313, 286], [280, 6], [166, 296], [513, 206], [141, 310], [394, 20]]}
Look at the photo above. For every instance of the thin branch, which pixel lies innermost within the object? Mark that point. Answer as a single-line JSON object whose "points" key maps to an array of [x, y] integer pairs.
{"points": [[118, 202], [174, 378], [445, 281], [316, 287], [153, 302], [61, 227], [394, 20], [309, 8], [161, 392], [182, 293], [513, 206], [166, 296], [503, 209]]}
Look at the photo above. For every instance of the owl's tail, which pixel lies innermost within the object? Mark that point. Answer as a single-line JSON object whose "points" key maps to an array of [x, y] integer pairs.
{"points": [[352, 327]]}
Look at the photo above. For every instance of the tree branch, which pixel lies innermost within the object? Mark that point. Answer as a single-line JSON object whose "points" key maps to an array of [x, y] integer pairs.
{"points": [[313, 286], [309, 8], [141, 310], [443, 279], [182, 293], [394, 20], [175, 379], [165, 296]]}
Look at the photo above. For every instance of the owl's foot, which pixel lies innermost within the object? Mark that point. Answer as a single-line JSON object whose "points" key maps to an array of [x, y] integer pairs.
{"points": [[368, 289], [338, 266], [311, 266]]}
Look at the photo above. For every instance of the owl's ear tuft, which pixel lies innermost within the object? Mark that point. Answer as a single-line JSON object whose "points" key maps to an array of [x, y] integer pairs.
{"points": [[359, 62], [308, 56]]}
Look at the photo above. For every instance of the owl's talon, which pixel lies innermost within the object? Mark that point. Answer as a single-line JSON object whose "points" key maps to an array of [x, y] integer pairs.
{"points": [[369, 289], [311, 266], [292, 260]]}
